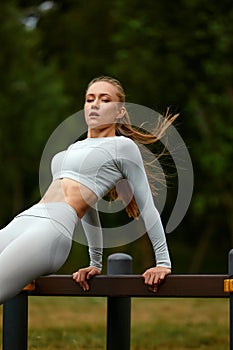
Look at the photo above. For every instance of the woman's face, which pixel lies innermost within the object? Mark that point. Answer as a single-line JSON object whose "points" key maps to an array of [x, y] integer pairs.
{"points": [[102, 106]]}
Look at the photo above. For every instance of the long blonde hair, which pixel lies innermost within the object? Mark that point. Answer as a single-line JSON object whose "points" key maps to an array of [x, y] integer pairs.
{"points": [[125, 128]]}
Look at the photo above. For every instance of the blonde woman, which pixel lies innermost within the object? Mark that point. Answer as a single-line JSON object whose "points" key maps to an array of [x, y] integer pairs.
{"points": [[38, 241]]}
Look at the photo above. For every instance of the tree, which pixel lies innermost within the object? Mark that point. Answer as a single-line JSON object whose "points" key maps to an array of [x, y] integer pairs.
{"points": [[32, 103], [176, 54]]}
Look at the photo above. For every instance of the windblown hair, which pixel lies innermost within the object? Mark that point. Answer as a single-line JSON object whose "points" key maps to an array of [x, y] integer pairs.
{"points": [[137, 134]]}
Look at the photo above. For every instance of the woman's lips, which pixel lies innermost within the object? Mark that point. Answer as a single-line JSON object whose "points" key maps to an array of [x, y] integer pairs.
{"points": [[93, 114]]}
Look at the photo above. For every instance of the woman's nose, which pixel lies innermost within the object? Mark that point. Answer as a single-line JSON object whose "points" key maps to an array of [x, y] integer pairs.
{"points": [[95, 104]]}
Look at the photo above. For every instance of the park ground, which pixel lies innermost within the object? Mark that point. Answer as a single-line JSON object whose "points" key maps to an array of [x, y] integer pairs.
{"points": [[68, 323]]}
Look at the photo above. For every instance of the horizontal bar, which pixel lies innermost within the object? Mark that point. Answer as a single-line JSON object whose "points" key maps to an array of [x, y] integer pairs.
{"points": [[133, 286]]}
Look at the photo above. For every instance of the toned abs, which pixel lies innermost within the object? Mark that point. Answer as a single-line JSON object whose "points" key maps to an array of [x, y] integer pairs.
{"points": [[72, 192]]}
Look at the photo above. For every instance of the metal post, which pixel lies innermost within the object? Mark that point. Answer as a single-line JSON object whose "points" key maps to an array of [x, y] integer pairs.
{"points": [[15, 323], [230, 273], [119, 308]]}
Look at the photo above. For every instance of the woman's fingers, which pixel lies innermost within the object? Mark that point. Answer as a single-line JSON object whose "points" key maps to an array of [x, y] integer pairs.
{"points": [[154, 276], [80, 277], [83, 275]]}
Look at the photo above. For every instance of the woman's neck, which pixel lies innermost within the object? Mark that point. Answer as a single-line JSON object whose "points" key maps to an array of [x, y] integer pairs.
{"points": [[106, 132]]}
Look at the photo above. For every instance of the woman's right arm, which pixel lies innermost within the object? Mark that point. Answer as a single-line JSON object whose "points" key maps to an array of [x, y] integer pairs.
{"points": [[92, 228], [93, 231]]}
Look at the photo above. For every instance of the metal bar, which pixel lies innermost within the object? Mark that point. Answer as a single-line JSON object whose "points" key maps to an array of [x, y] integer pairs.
{"points": [[119, 308], [15, 323], [230, 273], [175, 286], [119, 286], [231, 320]]}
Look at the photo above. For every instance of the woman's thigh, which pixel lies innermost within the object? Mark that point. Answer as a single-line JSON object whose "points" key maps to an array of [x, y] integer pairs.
{"points": [[41, 248]]}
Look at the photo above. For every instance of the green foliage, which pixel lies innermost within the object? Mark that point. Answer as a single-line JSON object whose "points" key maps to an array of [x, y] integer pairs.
{"points": [[176, 54], [32, 102]]}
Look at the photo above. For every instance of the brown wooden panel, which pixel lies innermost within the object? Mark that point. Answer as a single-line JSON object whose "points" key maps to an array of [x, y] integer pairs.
{"points": [[133, 286]]}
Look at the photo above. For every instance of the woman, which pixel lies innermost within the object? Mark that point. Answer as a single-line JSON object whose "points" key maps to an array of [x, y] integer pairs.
{"points": [[38, 241]]}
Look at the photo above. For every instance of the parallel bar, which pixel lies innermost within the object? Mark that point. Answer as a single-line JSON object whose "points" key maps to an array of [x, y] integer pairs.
{"points": [[133, 286]]}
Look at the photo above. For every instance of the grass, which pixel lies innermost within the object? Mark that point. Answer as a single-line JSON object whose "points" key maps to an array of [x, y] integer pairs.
{"points": [[157, 324]]}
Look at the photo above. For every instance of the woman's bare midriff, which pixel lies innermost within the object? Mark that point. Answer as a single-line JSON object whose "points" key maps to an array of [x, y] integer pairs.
{"points": [[72, 192]]}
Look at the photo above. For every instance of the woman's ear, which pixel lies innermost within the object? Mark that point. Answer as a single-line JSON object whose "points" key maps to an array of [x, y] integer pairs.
{"points": [[121, 114]]}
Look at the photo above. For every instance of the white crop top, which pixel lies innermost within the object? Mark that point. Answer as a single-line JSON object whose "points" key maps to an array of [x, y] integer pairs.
{"points": [[99, 163]]}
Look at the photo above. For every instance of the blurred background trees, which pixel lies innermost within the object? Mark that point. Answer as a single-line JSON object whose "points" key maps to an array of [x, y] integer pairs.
{"points": [[176, 54]]}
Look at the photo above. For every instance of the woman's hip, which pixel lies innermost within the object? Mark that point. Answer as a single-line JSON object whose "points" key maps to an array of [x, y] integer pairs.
{"points": [[60, 215]]}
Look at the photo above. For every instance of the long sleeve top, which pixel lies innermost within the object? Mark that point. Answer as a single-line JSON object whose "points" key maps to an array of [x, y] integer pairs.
{"points": [[99, 164]]}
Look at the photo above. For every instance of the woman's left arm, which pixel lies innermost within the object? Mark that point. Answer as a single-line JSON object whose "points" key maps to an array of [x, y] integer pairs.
{"points": [[133, 170]]}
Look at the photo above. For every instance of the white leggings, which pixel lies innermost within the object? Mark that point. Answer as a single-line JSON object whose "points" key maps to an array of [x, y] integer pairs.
{"points": [[36, 242]]}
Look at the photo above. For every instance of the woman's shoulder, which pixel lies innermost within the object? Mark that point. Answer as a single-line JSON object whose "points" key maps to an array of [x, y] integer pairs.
{"points": [[126, 145], [123, 140]]}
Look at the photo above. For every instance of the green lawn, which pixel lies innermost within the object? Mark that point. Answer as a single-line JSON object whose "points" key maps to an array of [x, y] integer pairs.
{"points": [[174, 324]]}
